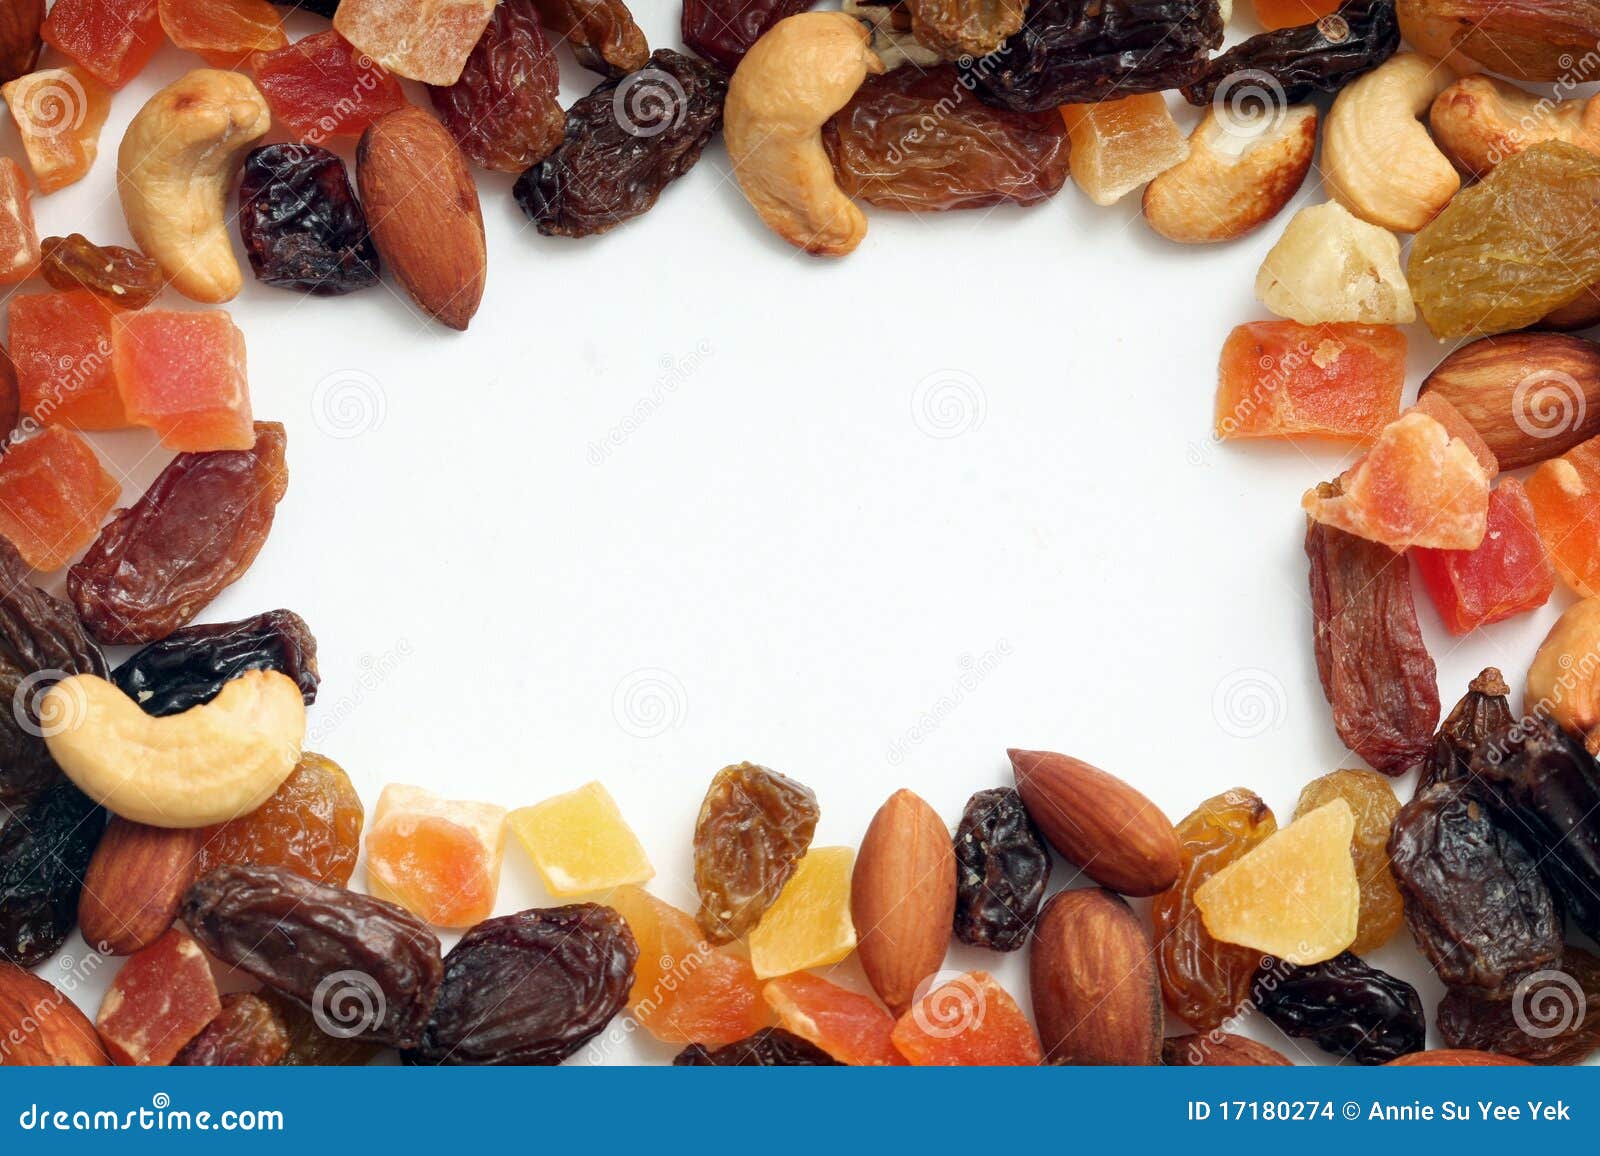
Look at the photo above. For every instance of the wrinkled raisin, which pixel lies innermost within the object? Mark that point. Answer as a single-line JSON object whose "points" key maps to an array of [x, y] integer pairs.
{"points": [[309, 1045], [768, 1048], [1374, 805], [1344, 1006], [1551, 1017], [45, 848], [956, 28], [601, 33], [39, 632], [1002, 867], [192, 665], [723, 30], [247, 1033], [311, 825], [754, 826], [1482, 711], [1305, 58], [503, 111], [123, 277], [302, 225]]}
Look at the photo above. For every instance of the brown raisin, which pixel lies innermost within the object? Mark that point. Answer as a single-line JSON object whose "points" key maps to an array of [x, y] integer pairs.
{"points": [[753, 828], [1552, 1016], [601, 33], [248, 1033], [504, 111], [123, 277], [1482, 711], [768, 1048]]}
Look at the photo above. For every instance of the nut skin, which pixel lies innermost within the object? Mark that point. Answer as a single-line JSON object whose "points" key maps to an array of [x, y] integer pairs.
{"points": [[903, 898], [175, 172], [19, 37], [1092, 973], [424, 213], [1479, 121], [40, 1026], [135, 884], [1118, 837], [1561, 682], [802, 71], [209, 764], [1219, 1050], [1504, 384]]}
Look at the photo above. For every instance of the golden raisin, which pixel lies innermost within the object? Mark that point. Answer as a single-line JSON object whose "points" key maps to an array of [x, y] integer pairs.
{"points": [[1375, 807]]}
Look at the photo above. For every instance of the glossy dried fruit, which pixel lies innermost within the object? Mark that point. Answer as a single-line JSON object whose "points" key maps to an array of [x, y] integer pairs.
{"points": [[162, 998], [61, 344], [54, 493], [1373, 803], [530, 988], [302, 225], [1481, 712], [1292, 63], [59, 113], [1552, 1016], [1532, 40], [223, 33], [1118, 145], [119, 276], [437, 857], [39, 634], [1202, 980], [367, 966], [311, 825], [45, 848], [426, 40], [1344, 1006], [196, 530], [112, 40], [248, 1032], [1565, 493], [1275, 14], [1375, 671], [722, 31], [917, 140], [19, 239], [753, 828], [580, 843], [957, 28], [1281, 379], [182, 373], [768, 1048], [322, 86], [19, 38], [625, 142], [26, 767], [850, 1027], [504, 111], [1002, 869], [309, 1045], [1219, 1050], [191, 666], [809, 925], [601, 33], [968, 1020], [1507, 575]]}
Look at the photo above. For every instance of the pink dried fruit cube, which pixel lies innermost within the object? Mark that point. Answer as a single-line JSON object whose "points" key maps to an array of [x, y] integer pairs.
{"points": [[54, 493], [61, 345], [183, 375], [162, 998], [19, 240], [426, 40]]}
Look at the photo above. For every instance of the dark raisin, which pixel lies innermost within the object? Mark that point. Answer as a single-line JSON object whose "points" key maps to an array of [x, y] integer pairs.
{"points": [[1002, 867], [45, 848], [39, 632], [723, 30], [1482, 711], [601, 33], [191, 666], [1551, 1017], [768, 1048], [504, 111], [1307, 58], [302, 225], [1344, 1006]]}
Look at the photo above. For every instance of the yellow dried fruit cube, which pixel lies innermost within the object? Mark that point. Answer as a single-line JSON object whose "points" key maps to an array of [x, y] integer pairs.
{"points": [[1118, 145], [809, 925], [580, 842], [1295, 895]]}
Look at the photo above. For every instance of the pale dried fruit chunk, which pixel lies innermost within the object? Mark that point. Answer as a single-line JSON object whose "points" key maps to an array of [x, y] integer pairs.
{"points": [[1329, 266], [1295, 896], [809, 925], [438, 858], [426, 40], [580, 843], [1372, 801], [1118, 145], [59, 113]]}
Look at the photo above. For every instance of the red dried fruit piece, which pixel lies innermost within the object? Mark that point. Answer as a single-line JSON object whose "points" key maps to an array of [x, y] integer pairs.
{"points": [[1565, 493], [852, 1028], [311, 825], [54, 493], [183, 375], [322, 86], [1281, 379], [61, 344], [248, 1033], [970, 1020], [1508, 574], [19, 240], [110, 39], [161, 999], [1416, 486], [223, 33], [426, 40], [59, 113]]}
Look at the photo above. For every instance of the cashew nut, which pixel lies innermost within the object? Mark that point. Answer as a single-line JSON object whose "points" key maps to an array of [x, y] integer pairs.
{"points": [[174, 172], [1329, 266], [1480, 121], [209, 764], [805, 69], [1236, 177], [1564, 680], [1377, 158]]}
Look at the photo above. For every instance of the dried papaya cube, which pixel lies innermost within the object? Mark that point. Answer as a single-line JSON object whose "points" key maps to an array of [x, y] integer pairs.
{"points": [[1294, 895], [438, 858], [1275, 14], [112, 40], [580, 843], [852, 1028], [61, 345], [19, 240], [1118, 145], [967, 1021], [1505, 576], [223, 33], [183, 375], [54, 493], [809, 924], [685, 990], [1457, 426], [426, 40], [162, 998], [59, 114], [322, 86], [1281, 379], [1565, 493], [1416, 486]]}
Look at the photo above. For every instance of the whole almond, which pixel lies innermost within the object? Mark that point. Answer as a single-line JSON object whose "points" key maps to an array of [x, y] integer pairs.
{"points": [[135, 884], [903, 898], [422, 209], [1219, 1050], [19, 37], [40, 1027], [1531, 396], [1118, 837], [1093, 977]]}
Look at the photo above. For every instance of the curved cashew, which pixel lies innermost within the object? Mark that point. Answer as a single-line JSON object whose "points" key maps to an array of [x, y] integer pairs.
{"points": [[1480, 121], [209, 764], [174, 172], [805, 69], [1377, 158]]}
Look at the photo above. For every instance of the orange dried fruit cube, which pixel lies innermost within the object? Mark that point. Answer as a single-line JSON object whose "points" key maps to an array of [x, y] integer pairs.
{"points": [[183, 375], [322, 86], [162, 998], [1565, 493], [1508, 574], [809, 924], [112, 40], [852, 1028], [54, 493], [1281, 379], [1294, 895], [19, 239], [223, 33], [1118, 145], [1275, 14], [438, 858], [426, 40], [580, 843], [61, 346], [1416, 486], [967, 1021], [1457, 426], [59, 114], [685, 990]]}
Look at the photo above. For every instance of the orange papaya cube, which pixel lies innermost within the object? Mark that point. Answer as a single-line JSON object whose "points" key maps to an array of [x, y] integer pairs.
{"points": [[967, 1021], [1416, 486], [19, 240], [1457, 426], [1275, 14], [1508, 574], [438, 858], [54, 493], [1565, 493], [183, 375], [59, 113], [223, 33], [1281, 379], [112, 40], [61, 345], [322, 86], [852, 1028], [685, 990], [161, 999], [426, 40]]}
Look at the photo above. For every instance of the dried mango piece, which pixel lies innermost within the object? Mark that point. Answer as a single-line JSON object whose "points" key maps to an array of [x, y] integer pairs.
{"points": [[1295, 895], [223, 33], [1565, 493], [1508, 574], [19, 240], [580, 843], [1281, 379], [852, 1028], [1416, 486], [321, 86], [61, 345], [967, 1021], [162, 998], [182, 373], [1118, 145], [112, 40], [438, 858], [426, 40], [54, 493], [809, 925], [59, 114]]}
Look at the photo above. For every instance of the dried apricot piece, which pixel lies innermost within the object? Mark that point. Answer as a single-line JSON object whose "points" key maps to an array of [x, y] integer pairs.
{"points": [[112, 40], [1505, 576], [61, 345], [161, 999], [54, 493], [322, 86], [182, 373], [1118, 145], [1281, 379], [311, 825], [809, 925], [967, 1021], [426, 40], [1295, 896], [580, 843], [438, 858], [852, 1028], [59, 114], [19, 240], [1565, 493], [1373, 803], [223, 33]]}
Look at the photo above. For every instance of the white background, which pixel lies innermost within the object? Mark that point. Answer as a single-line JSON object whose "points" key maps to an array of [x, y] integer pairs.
{"points": [[684, 496]]}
